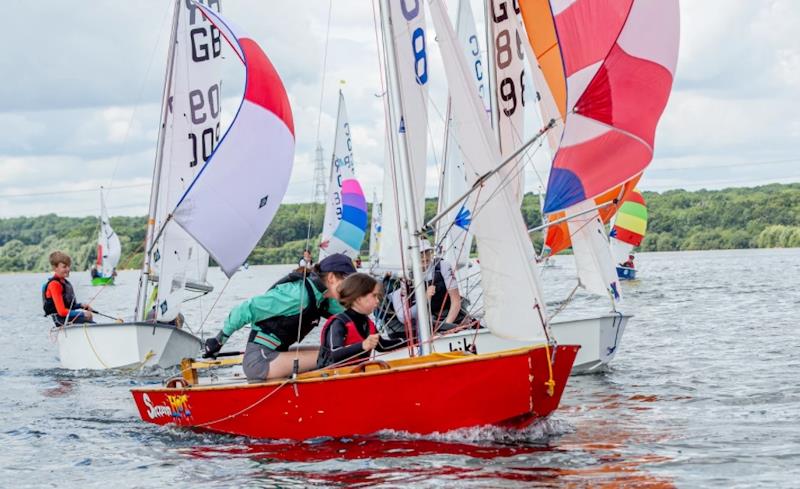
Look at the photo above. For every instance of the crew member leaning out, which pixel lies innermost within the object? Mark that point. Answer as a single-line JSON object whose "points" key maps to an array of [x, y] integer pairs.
{"points": [[283, 316]]}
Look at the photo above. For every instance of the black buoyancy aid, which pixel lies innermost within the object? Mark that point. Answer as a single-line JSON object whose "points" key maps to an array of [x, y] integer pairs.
{"points": [[352, 335], [67, 295], [284, 328], [440, 302], [440, 296]]}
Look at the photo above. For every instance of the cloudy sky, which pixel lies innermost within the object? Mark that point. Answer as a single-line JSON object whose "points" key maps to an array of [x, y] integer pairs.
{"points": [[81, 89]]}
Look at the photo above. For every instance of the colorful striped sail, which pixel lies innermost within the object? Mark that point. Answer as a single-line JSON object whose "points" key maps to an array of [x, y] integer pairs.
{"points": [[342, 229], [352, 228], [629, 227]]}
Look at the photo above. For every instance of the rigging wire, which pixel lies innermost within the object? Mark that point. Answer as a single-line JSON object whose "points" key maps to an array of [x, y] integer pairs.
{"points": [[302, 291]]}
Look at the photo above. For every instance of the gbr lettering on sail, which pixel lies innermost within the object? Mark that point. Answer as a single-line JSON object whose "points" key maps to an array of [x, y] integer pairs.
{"points": [[203, 97]]}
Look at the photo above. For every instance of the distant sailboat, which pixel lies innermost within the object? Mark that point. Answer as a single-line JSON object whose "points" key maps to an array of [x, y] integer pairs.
{"points": [[346, 220], [375, 230], [108, 249], [627, 232]]}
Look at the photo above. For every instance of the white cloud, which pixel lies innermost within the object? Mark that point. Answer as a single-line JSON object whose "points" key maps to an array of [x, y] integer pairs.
{"points": [[80, 100]]}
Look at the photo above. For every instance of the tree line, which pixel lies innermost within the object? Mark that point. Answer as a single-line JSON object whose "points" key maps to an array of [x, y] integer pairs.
{"points": [[758, 217]]}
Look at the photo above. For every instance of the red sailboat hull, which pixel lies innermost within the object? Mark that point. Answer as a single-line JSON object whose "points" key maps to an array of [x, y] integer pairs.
{"points": [[422, 395]]}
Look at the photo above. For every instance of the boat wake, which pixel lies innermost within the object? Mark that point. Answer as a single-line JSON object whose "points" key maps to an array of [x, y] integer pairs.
{"points": [[536, 434]]}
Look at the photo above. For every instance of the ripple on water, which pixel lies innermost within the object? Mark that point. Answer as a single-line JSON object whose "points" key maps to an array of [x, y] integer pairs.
{"points": [[703, 392]]}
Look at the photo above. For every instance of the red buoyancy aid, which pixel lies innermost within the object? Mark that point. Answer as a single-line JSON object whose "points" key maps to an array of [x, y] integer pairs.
{"points": [[352, 336]]}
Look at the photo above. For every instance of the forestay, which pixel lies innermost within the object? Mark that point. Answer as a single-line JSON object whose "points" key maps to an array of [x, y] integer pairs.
{"points": [[509, 279], [251, 165]]}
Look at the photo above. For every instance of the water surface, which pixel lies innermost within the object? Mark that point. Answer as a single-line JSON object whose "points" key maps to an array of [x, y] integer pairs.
{"points": [[704, 392]]}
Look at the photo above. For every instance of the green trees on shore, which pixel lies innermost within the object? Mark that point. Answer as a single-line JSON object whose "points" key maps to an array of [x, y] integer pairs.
{"points": [[760, 217]]}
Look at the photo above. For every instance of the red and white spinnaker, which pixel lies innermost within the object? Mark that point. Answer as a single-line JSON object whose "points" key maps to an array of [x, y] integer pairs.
{"points": [[237, 193]]}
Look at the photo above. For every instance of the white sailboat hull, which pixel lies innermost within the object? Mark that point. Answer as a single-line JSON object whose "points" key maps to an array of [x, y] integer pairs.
{"points": [[599, 338], [124, 345]]}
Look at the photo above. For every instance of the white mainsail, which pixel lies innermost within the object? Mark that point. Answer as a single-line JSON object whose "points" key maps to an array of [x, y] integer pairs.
{"points": [[108, 246], [407, 29], [513, 299], [191, 134], [509, 71], [593, 261]]}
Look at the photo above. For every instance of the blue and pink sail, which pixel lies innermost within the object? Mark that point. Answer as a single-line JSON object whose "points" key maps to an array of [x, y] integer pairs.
{"points": [[345, 224]]}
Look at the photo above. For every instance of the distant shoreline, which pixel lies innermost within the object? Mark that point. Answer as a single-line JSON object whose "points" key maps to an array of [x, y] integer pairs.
{"points": [[737, 218]]}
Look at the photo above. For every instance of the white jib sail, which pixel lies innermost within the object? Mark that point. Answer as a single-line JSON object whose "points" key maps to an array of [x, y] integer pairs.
{"points": [[411, 44], [509, 66], [251, 165], [108, 242], [457, 241], [342, 168], [510, 281], [597, 272], [192, 133], [390, 250]]}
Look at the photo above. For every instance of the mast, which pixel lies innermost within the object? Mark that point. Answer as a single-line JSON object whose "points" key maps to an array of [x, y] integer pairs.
{"points": [[410, 224], [144, 277]]}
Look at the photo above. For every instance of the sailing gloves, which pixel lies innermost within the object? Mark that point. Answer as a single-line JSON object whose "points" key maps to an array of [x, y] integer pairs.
{"points": [[214, 345]]}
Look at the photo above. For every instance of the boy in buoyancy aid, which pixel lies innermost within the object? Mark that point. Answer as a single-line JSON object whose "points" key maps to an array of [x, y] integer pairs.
{"points": [[58, 296], [351, 335], [283, 316]]}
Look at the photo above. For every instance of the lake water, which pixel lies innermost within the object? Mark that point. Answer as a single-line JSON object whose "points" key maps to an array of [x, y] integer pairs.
{"points": [[704, 392]]}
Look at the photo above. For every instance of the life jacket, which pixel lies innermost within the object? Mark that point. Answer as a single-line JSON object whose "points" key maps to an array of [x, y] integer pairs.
{"points": [[67, 295], [439, 297], [440, 300], [352, 335], [280, 332]]}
